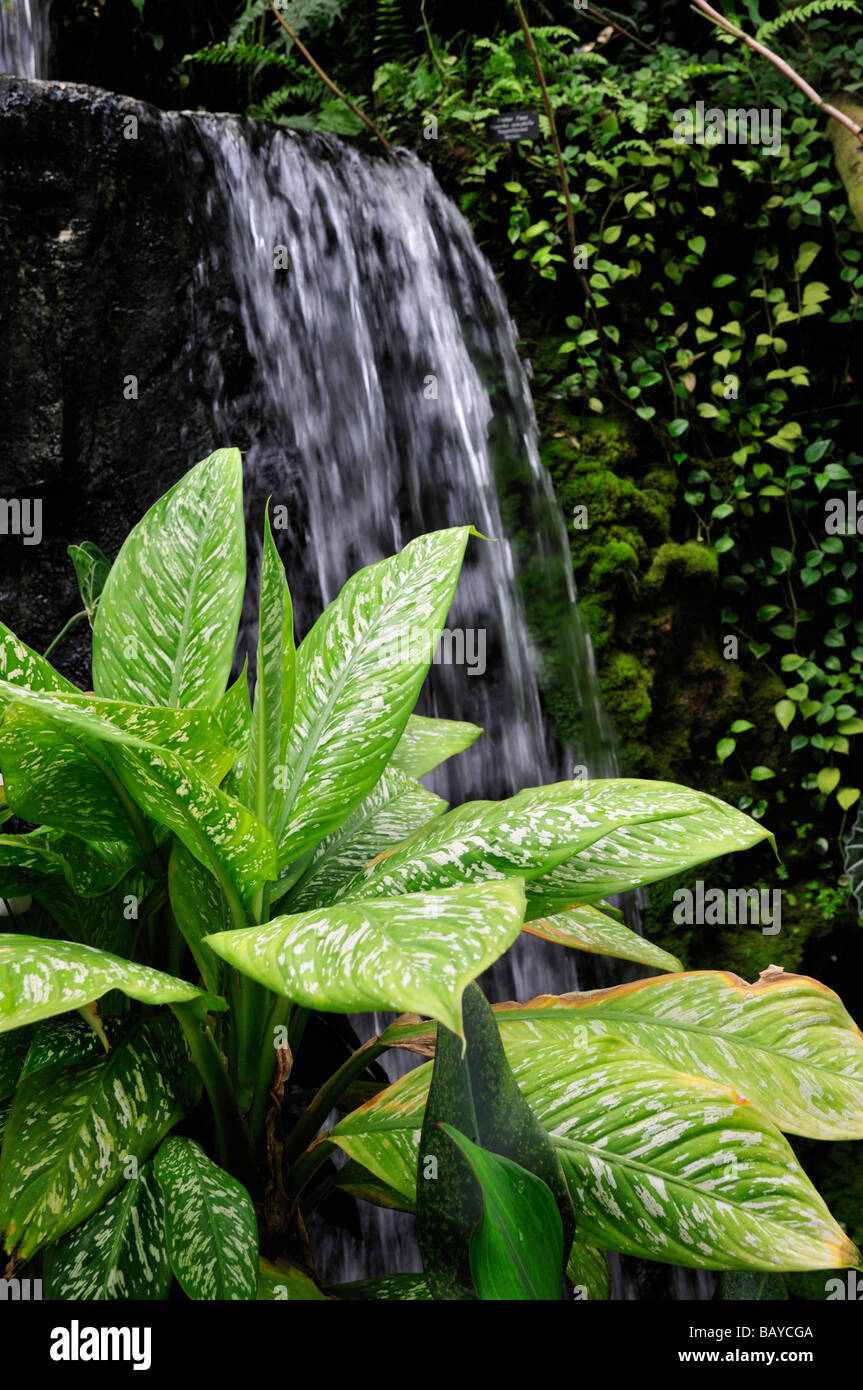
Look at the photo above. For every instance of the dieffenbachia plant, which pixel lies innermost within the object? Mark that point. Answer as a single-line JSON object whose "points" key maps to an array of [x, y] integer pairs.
{"points": [[209, 881]]}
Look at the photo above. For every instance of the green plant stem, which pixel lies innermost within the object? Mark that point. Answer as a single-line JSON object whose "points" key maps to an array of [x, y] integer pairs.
{"points": [[76, 618], [279, 1015], [549, 111], [306, 1166], [232, 1144], [328, 80], [310, 1122]]}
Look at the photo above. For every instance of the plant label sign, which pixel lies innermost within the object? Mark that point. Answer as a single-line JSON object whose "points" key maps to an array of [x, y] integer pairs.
{"points": [[511, 126]]}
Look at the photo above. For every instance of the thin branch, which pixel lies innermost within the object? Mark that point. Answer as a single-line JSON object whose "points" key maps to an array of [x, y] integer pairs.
{"points": [[606, 19], [549, 111], [328, 80], [780, 63]]}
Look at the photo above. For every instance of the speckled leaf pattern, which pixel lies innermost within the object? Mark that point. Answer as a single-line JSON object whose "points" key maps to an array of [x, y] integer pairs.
{"points": [[417, 952], [210, 1224], [220, 832], [395, 809], [662, 1165], [786, 1043], [516, 1250], [119, 1253], [637, 854], [53, 778], [285, 1285], [26, 863], [391, 1288], [588, 1269], [198, 907], [586, 928], [234, 711], [359, 672], [40, 978], [262, 788], [91, 867], [20, 665], [167, 620], [72, 1132], [426, 743], [193, 734], [546, 835], [61, 1041]]}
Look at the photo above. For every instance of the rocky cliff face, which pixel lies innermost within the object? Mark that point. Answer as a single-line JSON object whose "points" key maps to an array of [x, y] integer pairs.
{"points": [[102, 403]]}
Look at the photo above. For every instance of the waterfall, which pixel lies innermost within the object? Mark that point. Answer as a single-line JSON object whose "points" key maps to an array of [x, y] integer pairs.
{"points": [[25, 38], [389, 400]]}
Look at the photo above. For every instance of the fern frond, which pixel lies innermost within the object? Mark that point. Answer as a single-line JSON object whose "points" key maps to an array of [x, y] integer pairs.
{"points": [[799, 14]]}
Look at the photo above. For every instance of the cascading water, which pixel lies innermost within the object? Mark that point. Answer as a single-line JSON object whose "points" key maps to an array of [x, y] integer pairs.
{"points": [[390, 400], [25, 38]]}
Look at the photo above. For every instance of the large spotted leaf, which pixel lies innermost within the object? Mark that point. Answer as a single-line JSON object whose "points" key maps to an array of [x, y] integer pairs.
{"points": [[72, 1132], [661, 1165], [40, 978], [167, 620], [393, 810], [786, 1043], [52, 777], [262, 788], [21, 666], [417, 952], [359, 672], [556, 836], [426, 743], [210, 1224], [218, 831], [119, 1253], [585, 928], [285, 1285], [193, 734]]}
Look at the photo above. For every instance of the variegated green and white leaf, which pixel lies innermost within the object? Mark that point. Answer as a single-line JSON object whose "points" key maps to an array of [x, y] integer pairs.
{"points": [[285, 1285], [51, 777], [426, 743], [58, 1042], [390, 1288], [359, 672], [218, 831], [27, 863], [210, 1224], [585, 928], [119, 1253], [21, 666], [393, 810], [40, 978], [198, 905], [167, 620], [262, 788], [786, 1043], [661, 1165], [193, 734], [91, 868], [72, 1132], [233, 713], [547, 835], [417, 952], [588, 1270]]}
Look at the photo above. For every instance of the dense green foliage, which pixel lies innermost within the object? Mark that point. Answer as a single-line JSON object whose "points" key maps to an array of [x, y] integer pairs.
{"points": [[208, 876]]}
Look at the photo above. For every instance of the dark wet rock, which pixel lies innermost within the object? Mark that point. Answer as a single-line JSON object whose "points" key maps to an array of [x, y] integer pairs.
{"points": [[99, 242]]}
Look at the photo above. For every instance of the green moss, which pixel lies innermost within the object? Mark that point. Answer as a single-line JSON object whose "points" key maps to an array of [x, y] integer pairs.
{"points": [[681, 564]]}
